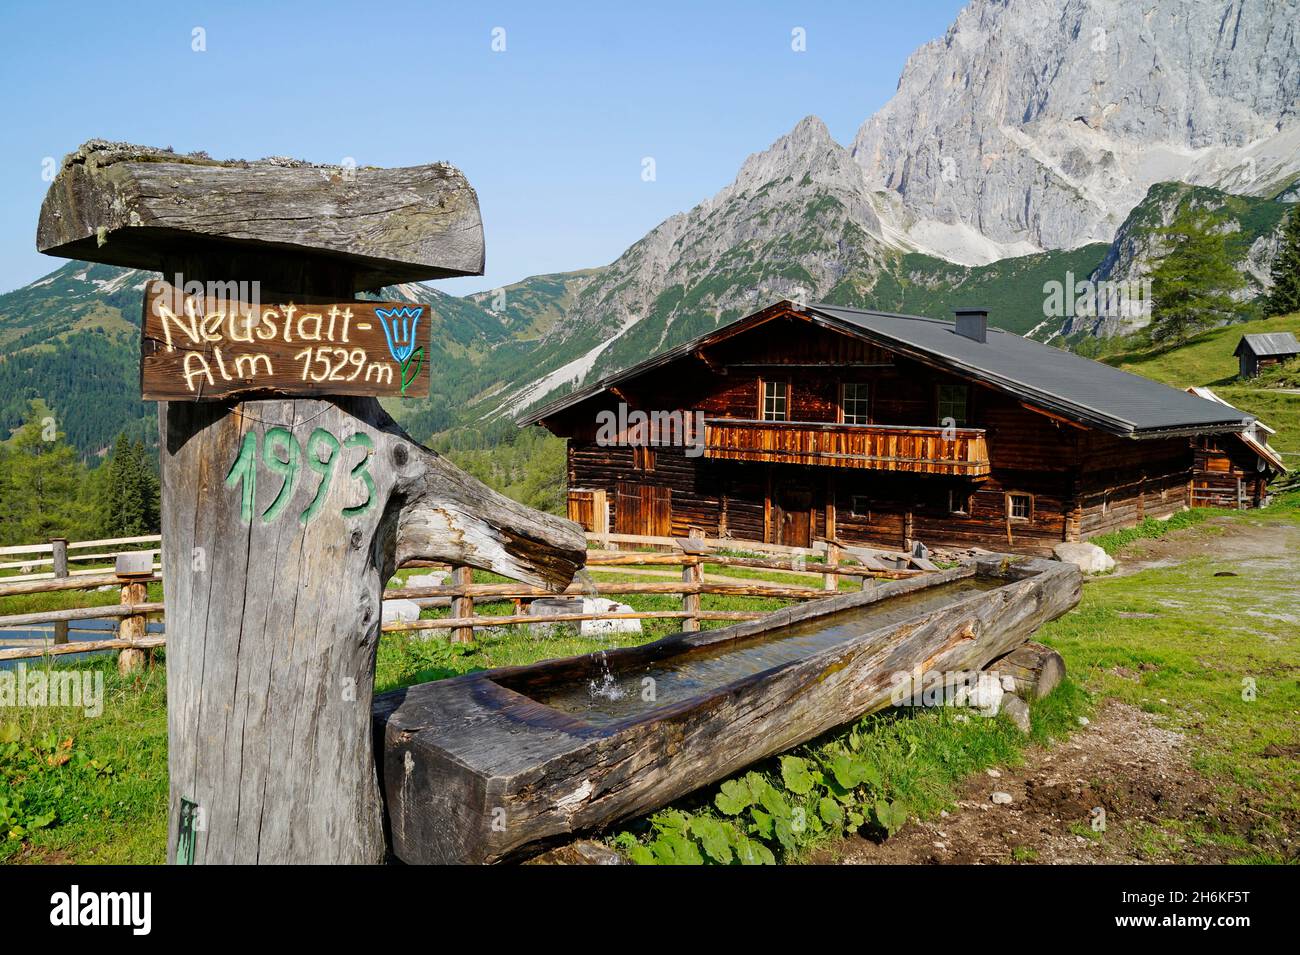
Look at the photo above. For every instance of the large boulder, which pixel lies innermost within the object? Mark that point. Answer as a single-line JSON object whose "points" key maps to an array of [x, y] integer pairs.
{"points": [[399, 611], [549, 606], [435, 579], [1089, 558], [605, 628]]}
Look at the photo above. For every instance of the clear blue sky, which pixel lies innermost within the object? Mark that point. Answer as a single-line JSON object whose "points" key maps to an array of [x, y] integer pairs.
{"points": [[550, 132]]}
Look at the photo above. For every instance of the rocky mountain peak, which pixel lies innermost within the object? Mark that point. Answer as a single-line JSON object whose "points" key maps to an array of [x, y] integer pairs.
{"points": [[1038, 125]]}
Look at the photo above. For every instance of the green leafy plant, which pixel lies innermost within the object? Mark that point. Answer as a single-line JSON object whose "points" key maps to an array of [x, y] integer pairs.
{"points": [[829, 790]]}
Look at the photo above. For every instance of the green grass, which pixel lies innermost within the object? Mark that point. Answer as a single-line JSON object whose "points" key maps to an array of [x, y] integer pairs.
{"points": [[1207, 638], [917, 758], [1152, 528], [110, 796], [1207, 635], [1205, 359]]}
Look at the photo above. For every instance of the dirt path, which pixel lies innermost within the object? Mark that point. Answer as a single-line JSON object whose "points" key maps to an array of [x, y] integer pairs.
{"points": [[1124, 763]]}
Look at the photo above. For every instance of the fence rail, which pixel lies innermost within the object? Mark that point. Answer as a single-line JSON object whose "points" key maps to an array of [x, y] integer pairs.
{"points": [[690, 556]]}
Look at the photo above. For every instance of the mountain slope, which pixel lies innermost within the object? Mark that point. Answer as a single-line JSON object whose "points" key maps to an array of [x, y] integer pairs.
{"points": [[73, 339], [1034, 124], [1253, 230]]}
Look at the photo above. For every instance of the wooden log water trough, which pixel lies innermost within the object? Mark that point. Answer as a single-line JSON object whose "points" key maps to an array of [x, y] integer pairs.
{"points": [[492, 765]]}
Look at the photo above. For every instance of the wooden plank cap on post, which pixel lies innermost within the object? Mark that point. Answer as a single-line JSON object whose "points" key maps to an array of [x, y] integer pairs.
{"points": [[131, 566], [128, 205]]}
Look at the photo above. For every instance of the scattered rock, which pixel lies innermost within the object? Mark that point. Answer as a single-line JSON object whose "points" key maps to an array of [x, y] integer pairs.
{"points": [[985, 695], [582, 852], [1226, 573], [1274, 751], [994, 773], [1017, 710], [1084, 721], [1089, 558], [1001, 799]]}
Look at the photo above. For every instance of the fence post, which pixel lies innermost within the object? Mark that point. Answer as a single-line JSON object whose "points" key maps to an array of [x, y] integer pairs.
{"points": [[693, 574], [600, 518], [831, 581], [59, 549], [133, 572], [462, 606]]}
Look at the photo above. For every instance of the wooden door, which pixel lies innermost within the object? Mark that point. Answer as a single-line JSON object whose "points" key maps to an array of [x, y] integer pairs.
{"points": [[643, 509], [794, 516]]}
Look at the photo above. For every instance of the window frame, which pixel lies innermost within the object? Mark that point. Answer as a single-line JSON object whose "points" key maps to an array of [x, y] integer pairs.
{"points": [[1010, 506], [763, 384], [939, 403], [865, 399]]}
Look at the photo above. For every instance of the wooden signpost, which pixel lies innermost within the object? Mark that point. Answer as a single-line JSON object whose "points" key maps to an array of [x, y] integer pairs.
{"points": [[283, 517]]}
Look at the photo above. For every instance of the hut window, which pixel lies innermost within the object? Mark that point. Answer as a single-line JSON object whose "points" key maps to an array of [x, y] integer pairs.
{"points": [[776, 401], [1020, 507], [643, 458], [860, 505], [958, 502], [853, 403], [952, 404]]}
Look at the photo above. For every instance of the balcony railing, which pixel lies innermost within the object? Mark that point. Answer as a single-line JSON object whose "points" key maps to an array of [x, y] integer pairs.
{"points": [[959, 452]]}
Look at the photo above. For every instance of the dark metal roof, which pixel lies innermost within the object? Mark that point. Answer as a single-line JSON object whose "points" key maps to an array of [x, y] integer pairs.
{"points": [[1076, 387], [1269, 343], [1052, 379]]}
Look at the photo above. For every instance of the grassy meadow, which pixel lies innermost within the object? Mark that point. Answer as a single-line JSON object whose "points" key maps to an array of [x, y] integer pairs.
{"points": [[93, 789]]}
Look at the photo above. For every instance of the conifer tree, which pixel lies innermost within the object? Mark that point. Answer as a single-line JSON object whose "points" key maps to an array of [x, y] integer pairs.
{"points": [[1192, 287], [44, 483], [1284, 297]]}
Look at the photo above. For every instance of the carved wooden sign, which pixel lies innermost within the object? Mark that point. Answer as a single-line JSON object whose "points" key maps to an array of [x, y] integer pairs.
{"points": [[217, 342]]}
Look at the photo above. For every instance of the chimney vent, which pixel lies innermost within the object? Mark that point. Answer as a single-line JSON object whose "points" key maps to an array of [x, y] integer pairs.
{"points": [[973, 323]]}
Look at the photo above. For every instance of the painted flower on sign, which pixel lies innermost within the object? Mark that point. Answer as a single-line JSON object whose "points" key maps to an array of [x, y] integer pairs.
{"points": [[400, 325]]}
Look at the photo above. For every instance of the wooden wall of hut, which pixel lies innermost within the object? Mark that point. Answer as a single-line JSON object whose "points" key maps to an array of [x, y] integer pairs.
{"points": [[1071, 481]]}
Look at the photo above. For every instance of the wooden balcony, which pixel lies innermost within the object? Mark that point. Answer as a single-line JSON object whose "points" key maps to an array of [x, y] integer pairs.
{"points": [[960, 453]]}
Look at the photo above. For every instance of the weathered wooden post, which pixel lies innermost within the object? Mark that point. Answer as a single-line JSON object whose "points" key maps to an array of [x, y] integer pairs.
{"points": [[692, 577], [59, 553], [289, 496], [831, 581], [463, 605], [133, 571]]}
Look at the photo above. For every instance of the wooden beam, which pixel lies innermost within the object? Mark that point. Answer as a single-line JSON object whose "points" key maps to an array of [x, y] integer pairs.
{"points": [[123, 204]]}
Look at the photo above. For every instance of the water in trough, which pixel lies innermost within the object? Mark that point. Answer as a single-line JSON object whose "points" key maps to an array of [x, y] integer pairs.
{"points": [[615, 696]]}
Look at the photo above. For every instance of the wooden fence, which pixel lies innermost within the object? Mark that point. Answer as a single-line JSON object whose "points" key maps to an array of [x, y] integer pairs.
{"points": [[135, 569]]}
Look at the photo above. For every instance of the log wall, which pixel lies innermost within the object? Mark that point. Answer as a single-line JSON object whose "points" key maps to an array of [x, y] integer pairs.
{"points": [[1079, 482]]}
